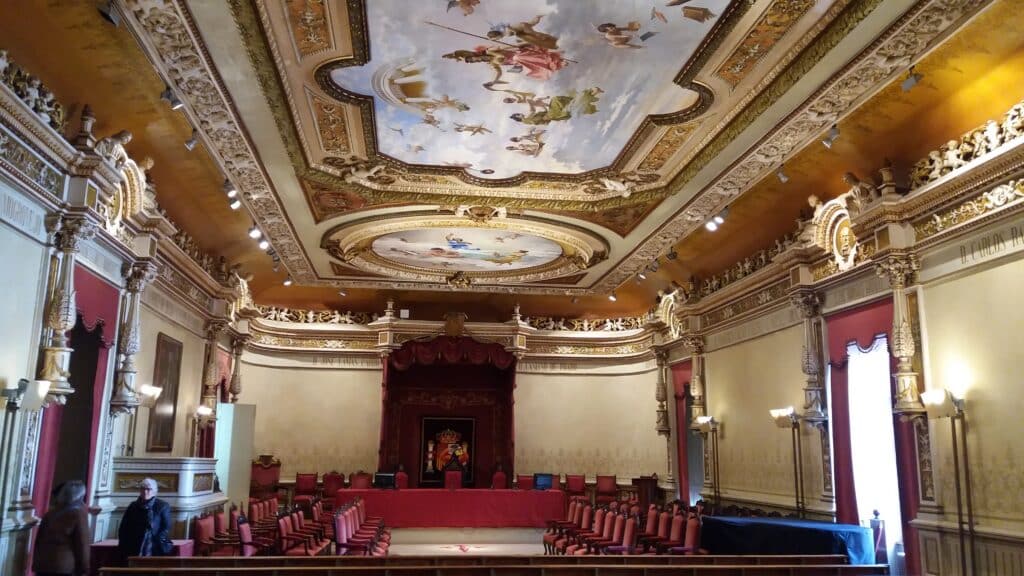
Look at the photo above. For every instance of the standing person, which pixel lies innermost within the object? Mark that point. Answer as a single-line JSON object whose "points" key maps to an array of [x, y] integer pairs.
{"points": [[62, 543], [146, 525]]}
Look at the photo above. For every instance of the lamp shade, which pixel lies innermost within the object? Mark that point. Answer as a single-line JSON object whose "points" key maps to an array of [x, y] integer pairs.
{"points": [[939, 403], [784, 417]]}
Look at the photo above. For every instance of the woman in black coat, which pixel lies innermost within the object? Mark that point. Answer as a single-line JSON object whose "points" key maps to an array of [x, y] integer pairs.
{"points": [[146, 525]]}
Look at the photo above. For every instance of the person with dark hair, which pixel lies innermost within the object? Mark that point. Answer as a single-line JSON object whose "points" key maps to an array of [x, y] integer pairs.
{"points": [[146, 525], [62, 542]]}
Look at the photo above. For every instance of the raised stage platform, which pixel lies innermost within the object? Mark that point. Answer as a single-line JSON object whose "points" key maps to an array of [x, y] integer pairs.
{"points": [[468, 508]]}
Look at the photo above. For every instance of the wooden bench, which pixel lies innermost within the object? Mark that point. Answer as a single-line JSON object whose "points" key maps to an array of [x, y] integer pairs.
{"points": [[517, 570], [309, 561]]}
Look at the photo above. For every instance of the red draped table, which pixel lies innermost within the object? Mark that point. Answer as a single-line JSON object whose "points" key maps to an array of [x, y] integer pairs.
{"points": [[437, 508]]}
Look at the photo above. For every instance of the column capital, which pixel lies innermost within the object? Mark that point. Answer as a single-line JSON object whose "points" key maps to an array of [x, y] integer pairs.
{"points": [[807, 302], [238, 344], [661, 355], [72, 231], [138, 275], [215, 327], [900, 268], [695, 342]]}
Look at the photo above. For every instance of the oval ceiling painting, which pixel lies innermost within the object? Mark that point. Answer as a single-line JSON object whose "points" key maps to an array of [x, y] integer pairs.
{"points": [[466, 249], [501, 87]]}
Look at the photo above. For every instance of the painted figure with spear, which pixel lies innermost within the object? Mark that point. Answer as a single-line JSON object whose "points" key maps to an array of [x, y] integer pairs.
{"points": [[539, 62]]}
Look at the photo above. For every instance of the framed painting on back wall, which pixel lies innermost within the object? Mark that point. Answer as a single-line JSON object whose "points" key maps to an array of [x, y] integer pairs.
{"points": [[166, 375]]}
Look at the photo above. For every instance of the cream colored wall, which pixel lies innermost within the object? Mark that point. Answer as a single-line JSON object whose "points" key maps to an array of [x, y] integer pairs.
{"points": [[744, 382], [974, 330], [588, 424], [315, 419], [22, 285], [189, 384]]}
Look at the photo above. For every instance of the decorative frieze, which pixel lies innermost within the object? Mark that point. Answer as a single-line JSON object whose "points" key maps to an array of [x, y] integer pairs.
{"points": [[763, 297], [312, 343], [32, 92], [1004, 195], [217, 268], [182, 284], [587, 325], [970, 147], [281, 314], [629, 349], [29, 166]]}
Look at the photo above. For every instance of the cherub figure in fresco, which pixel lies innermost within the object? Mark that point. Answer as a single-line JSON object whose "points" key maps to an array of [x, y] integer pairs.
{"points": [[431, 120], [467, 6], [444, 101], [525, 33], [472, 129], [560, 108], [510, 258], [529, 144], [620, 36], [539, 63]]}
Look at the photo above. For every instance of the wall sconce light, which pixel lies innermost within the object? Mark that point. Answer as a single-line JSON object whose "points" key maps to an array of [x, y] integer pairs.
{"points": [[940, 403], [148, 395], [788, 418], [29, 395], [707, 425]]}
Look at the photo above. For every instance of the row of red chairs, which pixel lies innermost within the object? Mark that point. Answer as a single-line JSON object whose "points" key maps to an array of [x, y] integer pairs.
{"points": [[615, 529], [306, 485]]}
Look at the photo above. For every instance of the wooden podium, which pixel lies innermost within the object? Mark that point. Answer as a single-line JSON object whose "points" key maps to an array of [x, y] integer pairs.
{"points": [[646, 490]]}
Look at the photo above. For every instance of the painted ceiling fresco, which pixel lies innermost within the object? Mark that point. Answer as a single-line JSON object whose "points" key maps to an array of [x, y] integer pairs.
{"points": [[499, 88], [466, 249]]}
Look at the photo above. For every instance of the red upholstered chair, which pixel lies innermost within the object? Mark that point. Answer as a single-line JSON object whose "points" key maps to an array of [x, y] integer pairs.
{"points": [[606, 490], [691, 541], [453, 479], [266, 474], [203, 536], [401, 480], [499, 480], [664, 520], [674, 538], [629, 536], [250, 545], [305, 490], [360, 480], [575, 485], [612, 539], [524, 481], [333, 481]]}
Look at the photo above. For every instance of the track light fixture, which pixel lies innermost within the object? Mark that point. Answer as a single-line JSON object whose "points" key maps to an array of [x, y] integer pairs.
{"points": [[191, 142], [711, 226], [110, 13], [255, 233], [230, 189], [264, 244], [641, 275], [171, 98], [653, 266], [672, 254], [612, 296], [830, 138], [911, 80], [287, 281], [575, 300], [235, 204], [342, 293], [781, 175]]}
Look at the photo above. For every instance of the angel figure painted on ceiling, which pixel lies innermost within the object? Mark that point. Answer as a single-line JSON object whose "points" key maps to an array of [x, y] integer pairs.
{"points": [[539, 63], [560, 108]]}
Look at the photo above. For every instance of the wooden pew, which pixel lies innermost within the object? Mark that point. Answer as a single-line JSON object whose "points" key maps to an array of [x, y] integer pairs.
{"points": [[516, 570]]}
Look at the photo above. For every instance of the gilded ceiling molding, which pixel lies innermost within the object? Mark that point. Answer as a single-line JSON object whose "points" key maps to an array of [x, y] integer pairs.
{"points": [[169, 36], [331, 125], [770, 28], [310, 26], [889, 55]]}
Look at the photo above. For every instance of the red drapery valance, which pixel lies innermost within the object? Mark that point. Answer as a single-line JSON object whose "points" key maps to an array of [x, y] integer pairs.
{"points": [[97, 303], [449, 350]]}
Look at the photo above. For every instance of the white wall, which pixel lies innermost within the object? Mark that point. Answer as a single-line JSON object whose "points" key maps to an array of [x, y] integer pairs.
{"points": [[314, 419], [22, 285], [589, 423]]}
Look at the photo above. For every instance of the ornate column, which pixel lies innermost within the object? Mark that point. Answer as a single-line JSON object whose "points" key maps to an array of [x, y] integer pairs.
{"points": [[61, 313], [662, 423], [214, 328], [237, 346], [696, 345], [815, 412], [901, 270], [125, 398]]}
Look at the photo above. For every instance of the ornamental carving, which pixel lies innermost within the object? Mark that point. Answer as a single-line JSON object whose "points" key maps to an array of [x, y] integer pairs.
{"points": [[893, 52], [330, 122], [32, 92], [899, 269], [583, 350], [760, 298], [745, 267], [309, 24], [25, 162], [771, 27], [808, 303], [695, 343], [970, 147], [217, 268], [669, 144], [586, 325], [281, 314], [312, 343], [1003, 195], [72, 232]]}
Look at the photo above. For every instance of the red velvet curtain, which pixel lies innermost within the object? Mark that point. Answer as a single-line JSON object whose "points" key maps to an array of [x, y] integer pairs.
{"points": [[97, 303], [682, 373], [448, 378], [862, 325]]}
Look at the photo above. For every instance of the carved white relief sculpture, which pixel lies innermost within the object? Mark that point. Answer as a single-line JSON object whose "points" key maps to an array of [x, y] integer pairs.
{"points": [[112, 148]]}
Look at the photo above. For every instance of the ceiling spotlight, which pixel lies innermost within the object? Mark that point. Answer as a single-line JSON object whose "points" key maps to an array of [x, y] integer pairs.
{"points": [[342, 293], [642, 276], [911, 80], [711, 226], [230, 189], [110, 13], [191, 142], [575, 300], [171, 98], [264, 244], [781, 175], [287, 281], [672, 254], [255, 233], [653, 266], [612, 297], [235, 204], [830, 139]]}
